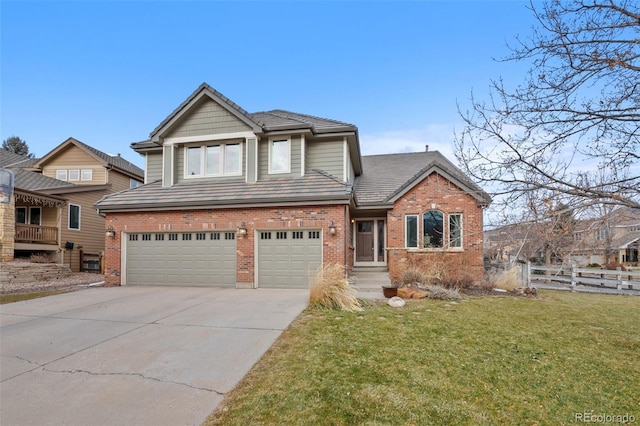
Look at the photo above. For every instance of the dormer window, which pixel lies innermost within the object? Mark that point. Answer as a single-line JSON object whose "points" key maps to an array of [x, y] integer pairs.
{"points": [[213, 160], [280, 155]]}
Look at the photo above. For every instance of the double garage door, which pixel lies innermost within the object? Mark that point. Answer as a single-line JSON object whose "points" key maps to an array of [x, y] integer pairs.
{"points": [[284, 259]]}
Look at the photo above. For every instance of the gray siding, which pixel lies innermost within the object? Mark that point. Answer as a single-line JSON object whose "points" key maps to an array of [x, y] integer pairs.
{"points": [[251, 154], [263, 158], [179, 164], [327, 156], [208, 118], [154, 167]]}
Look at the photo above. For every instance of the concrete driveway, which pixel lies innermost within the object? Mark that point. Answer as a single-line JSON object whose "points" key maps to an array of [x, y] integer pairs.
{"points": [[134, 355]]}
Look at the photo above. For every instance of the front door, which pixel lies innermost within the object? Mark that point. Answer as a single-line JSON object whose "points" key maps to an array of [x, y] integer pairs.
{"points": [[364, 241], [370, 242]]}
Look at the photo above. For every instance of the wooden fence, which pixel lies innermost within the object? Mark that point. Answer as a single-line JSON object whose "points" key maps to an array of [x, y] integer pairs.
{"points": [[572, 276]]}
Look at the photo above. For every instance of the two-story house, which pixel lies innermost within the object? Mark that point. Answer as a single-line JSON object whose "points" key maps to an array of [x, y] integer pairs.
{"points": [[75, 176], [262, 200]]}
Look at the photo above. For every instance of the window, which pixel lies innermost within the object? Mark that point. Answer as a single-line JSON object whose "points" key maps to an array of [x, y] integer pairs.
{"points": [[74, 175], [194, 161], [61, 175], [432, 228], [134, 183], [411, 231], [86, 174], [21, 215], [232, 159], [455, 230], [74, 217], [279, 156], [35, 216], [214, 160]]}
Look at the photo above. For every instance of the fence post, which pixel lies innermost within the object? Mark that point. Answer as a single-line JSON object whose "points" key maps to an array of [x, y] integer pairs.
{"points": [[528, 274], [573, 277], [619, 278]]}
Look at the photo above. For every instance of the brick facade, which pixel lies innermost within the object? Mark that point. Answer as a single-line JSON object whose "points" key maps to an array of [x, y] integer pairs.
{"points": [[436, 192], [334, 248]]}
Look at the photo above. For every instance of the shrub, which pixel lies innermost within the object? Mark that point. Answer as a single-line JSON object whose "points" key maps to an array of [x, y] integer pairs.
{"points": [[441, 293], [413, 275], [332, 290]]}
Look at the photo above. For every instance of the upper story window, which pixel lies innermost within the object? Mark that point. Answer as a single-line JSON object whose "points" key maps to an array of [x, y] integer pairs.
{"points": [[86, 174], [74, 175], [61, 175], [214, 160], [134, 183], [280, 155]]}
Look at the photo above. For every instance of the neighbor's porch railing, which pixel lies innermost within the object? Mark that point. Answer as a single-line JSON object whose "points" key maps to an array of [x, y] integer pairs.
{"points": [[36, 234]]}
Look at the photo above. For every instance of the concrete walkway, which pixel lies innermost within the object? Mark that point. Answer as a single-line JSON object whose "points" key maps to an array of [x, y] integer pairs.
{"points": [[134, 355], [369, 282]]}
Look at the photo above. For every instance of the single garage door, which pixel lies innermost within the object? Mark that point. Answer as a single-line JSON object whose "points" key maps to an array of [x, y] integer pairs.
{"points": [[288, 259], [187, 259]]}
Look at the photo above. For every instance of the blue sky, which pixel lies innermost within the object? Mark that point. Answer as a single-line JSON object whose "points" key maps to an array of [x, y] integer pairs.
{"points": [[107, 73]]}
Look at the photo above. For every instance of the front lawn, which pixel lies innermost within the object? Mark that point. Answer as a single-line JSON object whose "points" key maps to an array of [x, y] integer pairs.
{"points": [[484, 360]]}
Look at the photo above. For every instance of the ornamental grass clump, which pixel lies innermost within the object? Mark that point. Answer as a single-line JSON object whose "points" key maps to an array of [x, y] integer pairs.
{"points": [[331, 289], [509, 279]]}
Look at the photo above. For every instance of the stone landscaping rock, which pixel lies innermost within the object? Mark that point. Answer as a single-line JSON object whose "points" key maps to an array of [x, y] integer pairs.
{"points": [[396, 302]]}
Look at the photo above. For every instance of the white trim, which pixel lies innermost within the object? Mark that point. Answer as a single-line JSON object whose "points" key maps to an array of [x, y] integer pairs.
{"points": [[79, 217], [208, 138], [82, 173], [375, 231], [345, 159], [406, 245], [146, 166], [222, 162], [288, 169], [303, 152], [449, 246], [256, 163], [77, 179]]}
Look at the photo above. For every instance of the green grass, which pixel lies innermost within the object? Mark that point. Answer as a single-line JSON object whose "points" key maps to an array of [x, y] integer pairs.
{"points": [[19, 297], [486, 360]]}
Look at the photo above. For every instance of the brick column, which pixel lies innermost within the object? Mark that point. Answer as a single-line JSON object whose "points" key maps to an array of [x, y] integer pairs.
{"points": [[7, 230]]}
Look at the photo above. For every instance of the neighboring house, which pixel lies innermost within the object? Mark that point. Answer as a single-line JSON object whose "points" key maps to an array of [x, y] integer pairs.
{"points": [[262, 200], [610, 239], [31, 221], [79, 175]]}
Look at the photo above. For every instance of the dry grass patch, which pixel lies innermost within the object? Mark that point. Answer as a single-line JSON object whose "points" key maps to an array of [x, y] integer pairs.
{"points": [[331, 289], [509, 279]]}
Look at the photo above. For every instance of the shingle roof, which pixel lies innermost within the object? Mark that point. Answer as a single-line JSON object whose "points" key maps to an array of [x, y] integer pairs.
{"points": [[384, 177], [13, 160], [25, 179], [278, 119], [313, 187], [33, 181]]}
